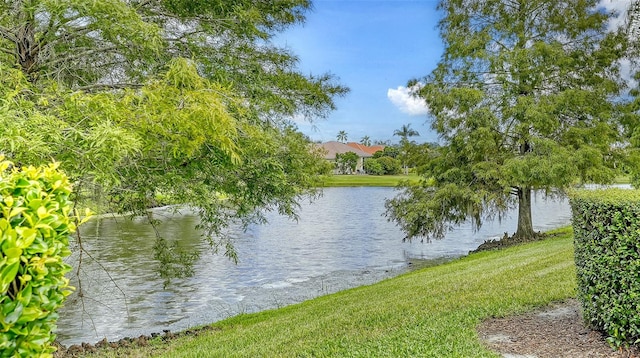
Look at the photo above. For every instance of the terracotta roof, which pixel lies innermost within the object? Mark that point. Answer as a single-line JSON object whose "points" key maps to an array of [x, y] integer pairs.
{"points": [[367, 149], [333, 148]]}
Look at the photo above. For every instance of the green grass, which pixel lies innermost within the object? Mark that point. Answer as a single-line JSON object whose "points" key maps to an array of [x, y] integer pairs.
{"points": [[367, 180], [622, 179], [432, 312], [393, 180]]}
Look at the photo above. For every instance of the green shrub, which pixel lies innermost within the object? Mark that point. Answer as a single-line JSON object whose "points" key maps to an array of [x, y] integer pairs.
{"points": [[391, 166], [35, 225], [606, 226], [373, 167]]}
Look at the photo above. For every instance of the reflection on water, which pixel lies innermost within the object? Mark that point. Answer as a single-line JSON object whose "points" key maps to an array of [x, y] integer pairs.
{"points": [[340, 241]]}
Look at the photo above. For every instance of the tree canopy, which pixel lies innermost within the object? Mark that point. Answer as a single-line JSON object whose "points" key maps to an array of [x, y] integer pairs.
{"points": [[404, 133], [523, 99], [155, 102]]}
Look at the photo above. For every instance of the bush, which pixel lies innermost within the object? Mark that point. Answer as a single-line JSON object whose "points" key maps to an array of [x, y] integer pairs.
{"points": [[373, 167], [346, 163], [391, 166], [606, 226], [34, 229]]}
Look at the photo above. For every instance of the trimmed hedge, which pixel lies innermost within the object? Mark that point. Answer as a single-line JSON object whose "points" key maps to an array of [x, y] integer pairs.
{"points": [[606, 226], [35, 225]]}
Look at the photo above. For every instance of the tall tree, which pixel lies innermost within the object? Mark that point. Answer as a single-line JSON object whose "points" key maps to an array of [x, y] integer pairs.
{"points": [[342, 136], [115, 44], [404, 133], [521, 99], [366, 141], [163, 101]]}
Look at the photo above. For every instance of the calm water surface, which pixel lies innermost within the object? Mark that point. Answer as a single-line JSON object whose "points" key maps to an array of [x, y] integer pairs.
{"points": [[340, 241]]}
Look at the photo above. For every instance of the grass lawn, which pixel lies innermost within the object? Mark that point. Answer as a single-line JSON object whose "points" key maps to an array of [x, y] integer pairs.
{"points": [[393, 180], [432, 312], [367, 180], [622, 179]]}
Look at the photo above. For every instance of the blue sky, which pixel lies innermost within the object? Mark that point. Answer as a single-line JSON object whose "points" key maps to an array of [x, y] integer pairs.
{"points": [[374, 47]]}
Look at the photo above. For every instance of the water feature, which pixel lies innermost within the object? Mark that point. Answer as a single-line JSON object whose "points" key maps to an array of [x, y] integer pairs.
{"points": [[340, 241]]}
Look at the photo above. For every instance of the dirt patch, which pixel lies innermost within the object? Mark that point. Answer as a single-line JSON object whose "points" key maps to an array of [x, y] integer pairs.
{"points": [[556, 331]]}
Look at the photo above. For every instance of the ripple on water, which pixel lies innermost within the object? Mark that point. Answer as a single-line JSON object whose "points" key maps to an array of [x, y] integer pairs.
{"points": [[340, 241]]}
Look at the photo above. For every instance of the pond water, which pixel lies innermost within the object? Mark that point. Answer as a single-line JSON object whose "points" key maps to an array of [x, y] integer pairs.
{"points": [[342, 240]]}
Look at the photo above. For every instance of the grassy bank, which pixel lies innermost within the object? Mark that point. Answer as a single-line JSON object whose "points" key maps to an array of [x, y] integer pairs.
{"points": [[431, 312], [393, 180], [367, 180]]}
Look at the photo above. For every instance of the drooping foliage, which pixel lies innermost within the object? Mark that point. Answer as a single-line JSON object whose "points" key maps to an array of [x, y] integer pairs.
{"points": [[93, 45], [522, 100], [157, 102]]}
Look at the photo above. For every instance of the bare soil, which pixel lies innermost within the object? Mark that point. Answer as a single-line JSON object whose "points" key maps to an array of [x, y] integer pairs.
{"points": [[556, 331]]}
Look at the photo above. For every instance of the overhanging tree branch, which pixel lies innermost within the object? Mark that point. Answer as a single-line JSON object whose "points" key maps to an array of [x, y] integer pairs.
{"points": [[108, 86], [8, 34]]}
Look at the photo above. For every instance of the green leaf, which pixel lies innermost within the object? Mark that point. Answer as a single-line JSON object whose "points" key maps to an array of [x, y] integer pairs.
{"points": [[26, 237], [25, 295], [13, 315], [12, 254], [7, 275], [16, 211], [30, 314], [42, 212]]}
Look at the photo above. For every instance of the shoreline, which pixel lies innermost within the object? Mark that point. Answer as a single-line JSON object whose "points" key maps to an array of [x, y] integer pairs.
{"points": [[416, 264], [392, 307]]}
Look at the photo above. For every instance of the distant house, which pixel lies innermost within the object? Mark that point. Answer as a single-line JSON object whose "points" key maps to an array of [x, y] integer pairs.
{"points": [[372, 149], [333, 148]]}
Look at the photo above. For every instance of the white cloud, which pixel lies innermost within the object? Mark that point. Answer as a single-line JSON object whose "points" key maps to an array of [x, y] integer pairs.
{"points": [[403, 98], [620, 7]]}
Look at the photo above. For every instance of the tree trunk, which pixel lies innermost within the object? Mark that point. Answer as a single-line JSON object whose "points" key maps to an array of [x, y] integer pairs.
{"points": [[27, 47], [525, 224]]}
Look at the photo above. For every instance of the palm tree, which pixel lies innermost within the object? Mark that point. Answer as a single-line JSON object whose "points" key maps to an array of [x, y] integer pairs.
{"points": [[366, 141], [405, 132], [342, 136]]}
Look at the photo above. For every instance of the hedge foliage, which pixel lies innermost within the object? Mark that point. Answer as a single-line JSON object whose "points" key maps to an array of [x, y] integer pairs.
{"points": [[606, 226], [35, 224]]}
